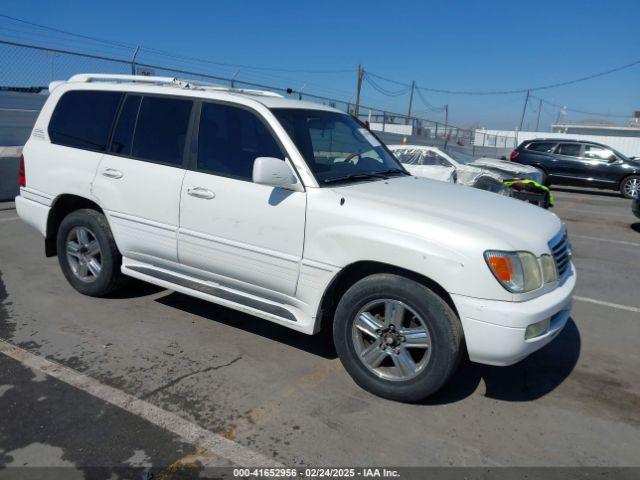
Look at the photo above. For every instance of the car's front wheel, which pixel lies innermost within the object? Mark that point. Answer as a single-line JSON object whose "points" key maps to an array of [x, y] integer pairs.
{"points": [[87, 253], [630, 186], [545, 177], [396, 337]]}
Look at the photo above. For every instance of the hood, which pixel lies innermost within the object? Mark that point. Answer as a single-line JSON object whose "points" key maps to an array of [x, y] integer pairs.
{"points": [[455, 214]]}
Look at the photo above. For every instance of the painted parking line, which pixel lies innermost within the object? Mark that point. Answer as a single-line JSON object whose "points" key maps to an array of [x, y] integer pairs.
{"points": [[608, 240], [600, 213], [213, 444], [10, 219], [607, 304]]}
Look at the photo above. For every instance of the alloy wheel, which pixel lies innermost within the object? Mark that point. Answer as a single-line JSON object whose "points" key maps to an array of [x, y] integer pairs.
{"points": [[84, 254], [632, 187], [391, 339]]}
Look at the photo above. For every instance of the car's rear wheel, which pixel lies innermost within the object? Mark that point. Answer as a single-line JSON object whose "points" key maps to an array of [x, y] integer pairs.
{"points": [[630, 186], [396, 337], [87, 253]]}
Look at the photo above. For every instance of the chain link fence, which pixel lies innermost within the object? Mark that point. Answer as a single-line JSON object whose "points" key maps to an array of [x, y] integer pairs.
{"points": [[25, 69]]}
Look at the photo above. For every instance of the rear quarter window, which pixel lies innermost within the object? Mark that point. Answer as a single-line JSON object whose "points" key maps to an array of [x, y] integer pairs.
{"points": [[83, 119]]}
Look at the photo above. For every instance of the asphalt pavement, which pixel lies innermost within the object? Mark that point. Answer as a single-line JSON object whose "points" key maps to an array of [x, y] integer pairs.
{"points": [[253, 388]]}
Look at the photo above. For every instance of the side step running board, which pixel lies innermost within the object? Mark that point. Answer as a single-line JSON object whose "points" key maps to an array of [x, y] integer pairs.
{"points": [[215, 291]]}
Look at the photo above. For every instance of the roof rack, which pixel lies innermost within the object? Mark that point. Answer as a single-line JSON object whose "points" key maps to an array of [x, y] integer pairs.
{"points": [[167, 81]]}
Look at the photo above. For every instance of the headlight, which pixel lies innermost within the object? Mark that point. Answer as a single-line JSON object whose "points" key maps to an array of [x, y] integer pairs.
{"points": [[518, 272], [549, 272]]}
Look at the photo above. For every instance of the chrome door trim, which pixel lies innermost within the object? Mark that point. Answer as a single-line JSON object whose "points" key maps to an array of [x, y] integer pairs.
{"points": [[200, 285]]}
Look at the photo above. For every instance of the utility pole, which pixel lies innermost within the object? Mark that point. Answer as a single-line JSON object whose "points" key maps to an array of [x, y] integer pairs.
{"points": [[446, 123], [538, 119], [413, 87], [356, 110], [133, 60], [446, 117], [524, 110], [233, 78]]}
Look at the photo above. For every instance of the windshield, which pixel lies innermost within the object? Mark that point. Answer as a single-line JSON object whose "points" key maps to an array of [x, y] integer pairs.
{"points": [[337, 147], [460, 157]]}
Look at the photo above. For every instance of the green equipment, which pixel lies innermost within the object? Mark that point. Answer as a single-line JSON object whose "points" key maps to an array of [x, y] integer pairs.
{"points": [[530, 191]]}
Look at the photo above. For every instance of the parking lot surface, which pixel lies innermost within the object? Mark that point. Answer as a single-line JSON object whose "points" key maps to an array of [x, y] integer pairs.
{"points": [[285, 395]]}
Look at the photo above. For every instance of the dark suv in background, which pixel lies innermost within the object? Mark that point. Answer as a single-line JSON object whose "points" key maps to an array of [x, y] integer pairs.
{"points": [[581, 163]]}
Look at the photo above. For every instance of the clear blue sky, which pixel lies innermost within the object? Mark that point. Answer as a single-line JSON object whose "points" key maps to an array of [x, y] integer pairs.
{"points": [[464, 45]]}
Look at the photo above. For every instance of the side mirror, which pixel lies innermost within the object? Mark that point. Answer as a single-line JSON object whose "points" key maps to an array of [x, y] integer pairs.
{"points": [[275, 173]]}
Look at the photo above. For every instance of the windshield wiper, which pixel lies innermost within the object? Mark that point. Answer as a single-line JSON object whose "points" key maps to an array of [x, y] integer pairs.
{"points": [[393, 170], [355, 176]]}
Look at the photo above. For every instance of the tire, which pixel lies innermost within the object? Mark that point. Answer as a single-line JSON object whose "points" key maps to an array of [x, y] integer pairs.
{"points": [[546, 203], [81, 234], [545, 176], [630, 186], [434, 364]]}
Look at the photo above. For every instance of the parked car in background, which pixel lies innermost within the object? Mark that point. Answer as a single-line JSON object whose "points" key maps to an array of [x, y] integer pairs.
{"points": [[297, 214], [427, 162], [580, 163], [483, 173]]}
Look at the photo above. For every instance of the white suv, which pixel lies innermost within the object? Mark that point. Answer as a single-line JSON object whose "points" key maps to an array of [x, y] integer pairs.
{"points": [[293, 212]]}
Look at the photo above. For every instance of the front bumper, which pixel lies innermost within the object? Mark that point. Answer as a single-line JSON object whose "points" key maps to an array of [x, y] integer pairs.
{"points": [[495, 330]]}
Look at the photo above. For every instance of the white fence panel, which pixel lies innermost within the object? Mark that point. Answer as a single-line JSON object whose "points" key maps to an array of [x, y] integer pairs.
{"points": [[629, 146]]}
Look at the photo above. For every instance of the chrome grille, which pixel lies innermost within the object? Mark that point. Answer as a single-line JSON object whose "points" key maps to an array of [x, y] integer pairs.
{"points": [[561, 251]]}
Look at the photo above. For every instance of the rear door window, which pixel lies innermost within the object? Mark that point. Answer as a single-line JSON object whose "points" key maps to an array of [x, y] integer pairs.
{"points": [[83, 119], [161, 130], [230, 139], [541, 147], [569, 149], [432, 158]]}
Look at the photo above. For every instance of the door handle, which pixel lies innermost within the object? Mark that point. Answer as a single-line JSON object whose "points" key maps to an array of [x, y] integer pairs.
{"points": [[200, 192], [112, 173]]}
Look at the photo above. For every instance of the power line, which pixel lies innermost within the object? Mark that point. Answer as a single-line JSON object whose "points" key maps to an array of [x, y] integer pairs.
{"points": [[397, 93], [172, 55], [596, 114], [54, 40], [383, 90], [248, 67], [65, 39], [53, 29], [521, 90], [428, 105]]}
